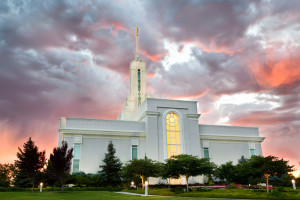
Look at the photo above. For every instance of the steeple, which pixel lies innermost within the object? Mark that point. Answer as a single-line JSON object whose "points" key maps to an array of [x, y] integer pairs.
{"points": [[137, 94], [137, 57]]}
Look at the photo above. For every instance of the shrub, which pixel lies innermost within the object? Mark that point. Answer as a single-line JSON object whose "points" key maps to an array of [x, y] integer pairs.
{"points": [[177, 190], [231, 186], [281, 189], [276, 194], [203, 190]]}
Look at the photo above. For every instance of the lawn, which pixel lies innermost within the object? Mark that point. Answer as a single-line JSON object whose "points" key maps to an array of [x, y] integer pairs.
{"points": [[79, 195], [229, 193], [202, 195]]}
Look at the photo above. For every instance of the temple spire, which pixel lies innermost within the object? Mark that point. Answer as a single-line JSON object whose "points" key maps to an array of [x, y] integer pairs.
{"points": [[137, 57]]}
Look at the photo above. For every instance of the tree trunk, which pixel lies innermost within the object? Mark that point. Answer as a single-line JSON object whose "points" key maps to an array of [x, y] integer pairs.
{"points": [[143, 182], [187, 183], [62, 184], [32, 185], [267, 183]]}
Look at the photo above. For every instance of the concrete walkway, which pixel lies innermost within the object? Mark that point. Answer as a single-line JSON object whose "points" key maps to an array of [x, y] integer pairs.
{"points": [[129, 193]]}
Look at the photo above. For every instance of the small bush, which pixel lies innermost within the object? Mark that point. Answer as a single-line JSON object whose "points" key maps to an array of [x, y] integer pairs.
{"points": [[281, 189], [203, 190], [276, 194], [258, 190], [17, 189], [231, 186], [177, 190]]}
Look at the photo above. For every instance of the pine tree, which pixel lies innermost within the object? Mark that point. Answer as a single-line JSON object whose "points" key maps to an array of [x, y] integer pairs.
{"points": [[112, 167], [30, 160], [21, 180], [60, 163]]}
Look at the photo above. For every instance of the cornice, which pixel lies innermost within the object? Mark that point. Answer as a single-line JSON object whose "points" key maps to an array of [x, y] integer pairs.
{"points": [[103, 133], [149, 114], [231, 138], [193, 116]]}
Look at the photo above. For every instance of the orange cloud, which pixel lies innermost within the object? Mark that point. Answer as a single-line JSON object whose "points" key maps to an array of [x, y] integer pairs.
{"points": [[274, 73], [195, 96], [116, 26], [255, 119], [213, 48], [156, 57], [151, 75]]}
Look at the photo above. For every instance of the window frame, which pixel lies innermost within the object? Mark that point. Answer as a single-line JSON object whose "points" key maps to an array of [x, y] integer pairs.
{"points": [[182, 135], [254, 152], [76, 157], [206, 152], [134, 147]]}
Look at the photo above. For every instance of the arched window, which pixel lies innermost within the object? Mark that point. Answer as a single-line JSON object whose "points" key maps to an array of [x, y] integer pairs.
{"points": [[173, 134]]}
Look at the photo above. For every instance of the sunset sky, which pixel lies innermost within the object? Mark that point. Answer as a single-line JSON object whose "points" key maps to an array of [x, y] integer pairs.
{"points": [[238, 59]]}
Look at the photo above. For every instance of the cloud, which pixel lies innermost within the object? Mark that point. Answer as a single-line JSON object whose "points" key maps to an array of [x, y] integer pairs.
{"points": [[71, 58]]}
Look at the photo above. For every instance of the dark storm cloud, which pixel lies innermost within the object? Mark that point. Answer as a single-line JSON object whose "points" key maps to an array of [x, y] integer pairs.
{"points": [[214, 24], [218, 72], [71, 58]]}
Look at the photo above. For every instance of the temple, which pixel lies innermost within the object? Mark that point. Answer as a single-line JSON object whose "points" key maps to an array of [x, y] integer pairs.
{"points": [[157, 128]]}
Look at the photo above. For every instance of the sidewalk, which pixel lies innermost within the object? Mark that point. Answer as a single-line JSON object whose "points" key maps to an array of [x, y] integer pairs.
{"points": [[129, 193]]}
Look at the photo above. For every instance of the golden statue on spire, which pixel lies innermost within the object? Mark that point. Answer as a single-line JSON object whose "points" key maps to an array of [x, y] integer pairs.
{"points": [[137, 31]]}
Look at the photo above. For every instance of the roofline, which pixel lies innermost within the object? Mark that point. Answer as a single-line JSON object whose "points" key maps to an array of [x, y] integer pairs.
{"points": [[229, 126]]}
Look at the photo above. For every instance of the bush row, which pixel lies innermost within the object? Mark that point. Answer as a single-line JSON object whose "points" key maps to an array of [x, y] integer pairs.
{"points": [[18, 189]]}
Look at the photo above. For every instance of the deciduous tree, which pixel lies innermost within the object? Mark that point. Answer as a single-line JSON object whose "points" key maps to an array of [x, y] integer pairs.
{"points": [[187, 166], [226, 172], [265, 166], [141, 168], [6, 174], [59, 164]]}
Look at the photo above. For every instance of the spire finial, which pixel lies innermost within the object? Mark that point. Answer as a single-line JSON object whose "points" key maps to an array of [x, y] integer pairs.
{"points": [[137, 57], [137, 31]]}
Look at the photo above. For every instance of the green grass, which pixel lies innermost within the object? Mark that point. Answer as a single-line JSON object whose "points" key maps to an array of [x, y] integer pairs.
{"points": [[228, 193], [79, 195], [194, 195]]}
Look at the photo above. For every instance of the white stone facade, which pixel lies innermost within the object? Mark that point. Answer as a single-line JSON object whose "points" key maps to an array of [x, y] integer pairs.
{"points": [[141, 130], [148, 133]]}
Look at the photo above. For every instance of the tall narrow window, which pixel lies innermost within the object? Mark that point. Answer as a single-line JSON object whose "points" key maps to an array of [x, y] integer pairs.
{"points": [[134, 152], [139, 88], [173, 134], [76, 158], [206, 153], [252, 152], [173, 139]]}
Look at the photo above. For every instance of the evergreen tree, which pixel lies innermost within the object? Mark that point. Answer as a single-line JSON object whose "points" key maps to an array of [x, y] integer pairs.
{"points": [[59, 164], [112, 167], [30, 160], [21, 179]]}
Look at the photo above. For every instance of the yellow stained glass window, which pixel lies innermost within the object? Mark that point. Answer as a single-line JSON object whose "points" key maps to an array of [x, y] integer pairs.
{"points": [[173, 134], [173, 139]]}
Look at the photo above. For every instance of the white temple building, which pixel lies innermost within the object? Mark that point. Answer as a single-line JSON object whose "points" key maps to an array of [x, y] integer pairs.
{"points": [[157, 128]]}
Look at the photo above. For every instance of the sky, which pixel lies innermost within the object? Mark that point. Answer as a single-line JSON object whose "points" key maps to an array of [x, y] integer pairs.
{"points": [[238, 59]]}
